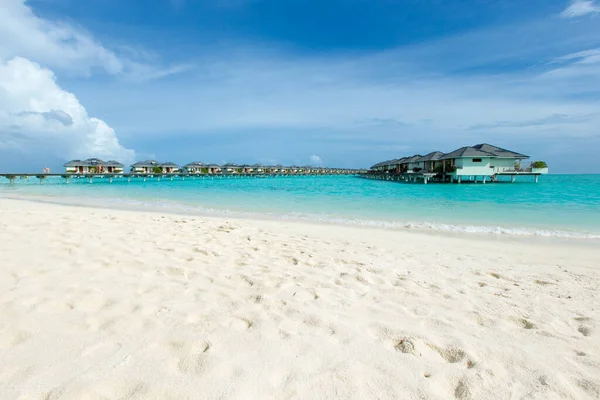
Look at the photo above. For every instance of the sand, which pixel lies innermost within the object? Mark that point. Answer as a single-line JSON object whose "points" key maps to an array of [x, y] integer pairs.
{"points": [[112, 304]]}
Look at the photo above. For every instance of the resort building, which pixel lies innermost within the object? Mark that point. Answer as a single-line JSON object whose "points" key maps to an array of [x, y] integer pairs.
{"points": [[170, 168], [230, 168], [483, 160], [93, 166], [430, 161], [146, 167], [154, 167], [476, 163], [214, 169], [195, 167], [412, 163]]}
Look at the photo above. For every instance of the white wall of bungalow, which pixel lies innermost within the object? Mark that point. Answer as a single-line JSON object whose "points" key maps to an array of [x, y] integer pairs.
{"points": [[483, 166]]}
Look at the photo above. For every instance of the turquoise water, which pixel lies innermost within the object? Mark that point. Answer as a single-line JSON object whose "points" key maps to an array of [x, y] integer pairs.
{"points": [[559, 205]]}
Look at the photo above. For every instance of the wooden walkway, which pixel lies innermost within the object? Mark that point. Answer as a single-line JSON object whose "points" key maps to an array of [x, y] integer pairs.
{"points": [[426, 177], [110, 177]]}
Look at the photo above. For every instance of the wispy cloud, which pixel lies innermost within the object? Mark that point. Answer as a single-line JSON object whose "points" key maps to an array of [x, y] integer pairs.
{"points": [[67, 47], [551, 120], [579, 8]]}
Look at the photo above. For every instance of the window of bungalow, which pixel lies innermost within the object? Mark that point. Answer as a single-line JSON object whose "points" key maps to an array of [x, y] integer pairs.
{"points": [[477, 160]]}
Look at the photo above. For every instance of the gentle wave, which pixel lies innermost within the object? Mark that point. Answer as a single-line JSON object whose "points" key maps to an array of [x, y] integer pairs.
{"points": [[181, 208]]}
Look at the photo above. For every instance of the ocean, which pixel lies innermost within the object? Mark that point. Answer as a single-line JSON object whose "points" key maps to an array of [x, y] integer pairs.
{"points": [[557, 206]]}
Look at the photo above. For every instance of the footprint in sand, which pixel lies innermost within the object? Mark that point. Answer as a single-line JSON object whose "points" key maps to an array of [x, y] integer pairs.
{"points": [[584, 330], [462, 391], [452, 355], [239, 323], [191, 357], [525, 323]]}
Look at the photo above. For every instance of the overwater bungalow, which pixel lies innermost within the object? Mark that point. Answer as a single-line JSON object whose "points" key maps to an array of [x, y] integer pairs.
{"points": [[230, 168], [213, 169], [258, 168], [170, 168], [411, 164], [475, 162], [483, 160], [93, 166], [430, 161], [195, 167], [247, 169], [146, 167]]}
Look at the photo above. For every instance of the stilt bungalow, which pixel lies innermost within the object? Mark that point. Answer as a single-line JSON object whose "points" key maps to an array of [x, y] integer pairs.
{"points": [[430, 161], [483, 160], [146, 167], [169, 168], [214, 169], [258, 168], [113, 167], [230, 168], [93, 166], [247, 169], [195, 167], [412, 163]]}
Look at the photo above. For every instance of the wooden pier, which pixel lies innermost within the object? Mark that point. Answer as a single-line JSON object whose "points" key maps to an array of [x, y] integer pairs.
{"points": [[427, 177], [12, 177]]}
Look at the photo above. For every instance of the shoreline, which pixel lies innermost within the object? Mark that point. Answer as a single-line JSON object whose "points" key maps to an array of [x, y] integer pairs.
{"points": [[426, 228], [105, 303]]}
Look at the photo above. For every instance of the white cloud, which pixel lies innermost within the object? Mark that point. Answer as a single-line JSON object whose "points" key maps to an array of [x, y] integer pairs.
{"points": [[39, 118], [315, 160], [579, 8], [66, 47], [51, 43]]}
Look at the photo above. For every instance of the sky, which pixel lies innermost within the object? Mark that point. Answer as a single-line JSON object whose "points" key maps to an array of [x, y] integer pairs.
{"points": [[344, 83]]}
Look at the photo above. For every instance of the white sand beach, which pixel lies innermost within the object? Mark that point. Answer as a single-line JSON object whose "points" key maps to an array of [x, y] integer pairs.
{"points": [[112, 304]]}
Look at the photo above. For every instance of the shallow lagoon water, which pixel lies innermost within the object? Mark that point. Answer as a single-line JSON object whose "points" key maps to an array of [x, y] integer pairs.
{"points": [[559, 205]]}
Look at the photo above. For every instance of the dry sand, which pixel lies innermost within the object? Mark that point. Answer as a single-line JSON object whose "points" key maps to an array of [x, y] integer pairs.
{"points": [[109, 304]]}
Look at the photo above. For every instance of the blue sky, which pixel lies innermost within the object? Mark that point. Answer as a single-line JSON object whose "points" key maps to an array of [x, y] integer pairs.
{"points": [[349, 83]]}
